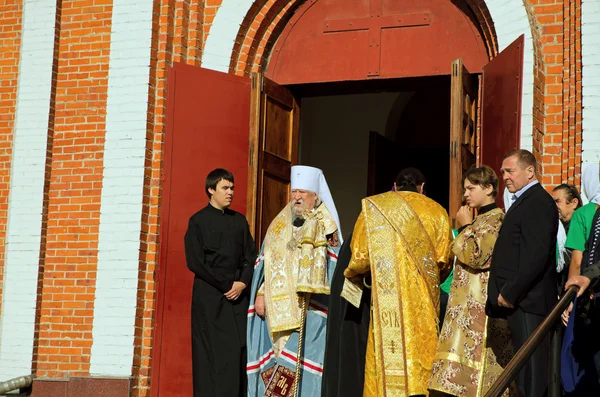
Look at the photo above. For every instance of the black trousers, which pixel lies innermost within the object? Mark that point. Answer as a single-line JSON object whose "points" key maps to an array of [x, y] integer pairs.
{"points": [[443, 306], [533, 378]]}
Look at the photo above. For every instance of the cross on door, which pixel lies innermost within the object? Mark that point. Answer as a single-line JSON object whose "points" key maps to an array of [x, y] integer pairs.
{"points": [[375, 23]]}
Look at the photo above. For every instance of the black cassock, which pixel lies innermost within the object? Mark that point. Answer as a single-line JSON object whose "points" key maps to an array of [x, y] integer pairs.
{"points": [[219, 250], [347, 333]]}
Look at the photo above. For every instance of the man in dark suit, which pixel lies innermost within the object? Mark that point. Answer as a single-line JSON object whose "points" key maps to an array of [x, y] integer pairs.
{"points": [[522, 285]]}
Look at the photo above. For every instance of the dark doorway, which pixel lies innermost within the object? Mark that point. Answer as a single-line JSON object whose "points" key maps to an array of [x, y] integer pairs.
{"points": [[362, 133]]}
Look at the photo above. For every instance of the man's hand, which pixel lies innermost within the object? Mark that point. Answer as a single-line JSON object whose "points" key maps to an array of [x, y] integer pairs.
{"points": [[235, 291], [464, 216], [566, 314], [504, 303], [581, 281], [259, 306]]}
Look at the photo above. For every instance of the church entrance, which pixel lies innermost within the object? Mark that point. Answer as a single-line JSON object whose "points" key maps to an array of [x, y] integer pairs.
{"points": [[359, 89], [361, 134]]}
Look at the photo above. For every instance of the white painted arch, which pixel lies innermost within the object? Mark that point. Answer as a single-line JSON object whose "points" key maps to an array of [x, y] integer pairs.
{"points": [[509, 17]]}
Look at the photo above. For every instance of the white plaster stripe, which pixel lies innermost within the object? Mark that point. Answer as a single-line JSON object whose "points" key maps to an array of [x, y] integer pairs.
{"points": [[510, 21], [590, 53], [27, 188], [222, 34], [122, 189]]}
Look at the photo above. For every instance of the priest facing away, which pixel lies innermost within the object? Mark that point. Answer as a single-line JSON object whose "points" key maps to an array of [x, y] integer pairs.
{"points": [[220, 252], [400, 245]]}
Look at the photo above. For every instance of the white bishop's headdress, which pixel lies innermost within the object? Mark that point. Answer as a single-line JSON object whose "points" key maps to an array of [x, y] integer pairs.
{"points": [[312, 179]]}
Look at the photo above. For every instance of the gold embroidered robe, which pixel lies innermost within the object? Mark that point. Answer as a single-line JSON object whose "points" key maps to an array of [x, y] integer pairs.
{"points": [[403, 240], [295, 260], [472, 348]]}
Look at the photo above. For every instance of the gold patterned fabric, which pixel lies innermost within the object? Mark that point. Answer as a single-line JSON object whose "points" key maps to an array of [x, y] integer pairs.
{"points": [[403, 240], [472, 349], [295, 260]]}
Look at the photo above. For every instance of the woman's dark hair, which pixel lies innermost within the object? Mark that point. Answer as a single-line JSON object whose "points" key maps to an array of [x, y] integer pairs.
{"points": [[214, 177], [571, 193], [483, 176], [409, 177]]}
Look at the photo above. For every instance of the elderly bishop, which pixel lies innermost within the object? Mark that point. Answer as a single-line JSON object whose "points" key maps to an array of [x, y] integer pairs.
{"points": [[288, 301]]}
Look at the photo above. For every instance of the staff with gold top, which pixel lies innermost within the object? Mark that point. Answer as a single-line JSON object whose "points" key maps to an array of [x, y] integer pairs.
{"points": [[288, 300]]}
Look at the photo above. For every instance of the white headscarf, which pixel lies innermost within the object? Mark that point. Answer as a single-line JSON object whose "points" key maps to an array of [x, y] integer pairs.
{"points": [[561, 239], [312, 179], [591, 182]]}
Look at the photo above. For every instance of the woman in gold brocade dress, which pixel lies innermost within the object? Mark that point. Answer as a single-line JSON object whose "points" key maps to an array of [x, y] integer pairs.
{"points": [[472, 348]]}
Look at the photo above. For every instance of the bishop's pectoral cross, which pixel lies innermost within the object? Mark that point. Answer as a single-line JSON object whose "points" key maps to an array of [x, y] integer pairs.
{"points": [[375, 23]]}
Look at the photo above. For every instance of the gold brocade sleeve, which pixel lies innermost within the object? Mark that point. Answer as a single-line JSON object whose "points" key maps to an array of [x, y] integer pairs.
{"points": [[475, 244], [359, 263], [444, 240]]}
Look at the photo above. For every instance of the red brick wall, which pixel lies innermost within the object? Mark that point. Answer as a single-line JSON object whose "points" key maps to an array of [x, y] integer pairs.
{"points": [[177, 36], [77, 128], [180, 27], [11, 16], [556, 28]]}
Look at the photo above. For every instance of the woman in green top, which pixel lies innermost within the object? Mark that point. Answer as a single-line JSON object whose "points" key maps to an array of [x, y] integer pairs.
{"points": [[581, 222]]}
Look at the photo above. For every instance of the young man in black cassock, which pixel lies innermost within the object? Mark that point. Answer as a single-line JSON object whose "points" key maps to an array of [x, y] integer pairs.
{"points": [[221, 252]]}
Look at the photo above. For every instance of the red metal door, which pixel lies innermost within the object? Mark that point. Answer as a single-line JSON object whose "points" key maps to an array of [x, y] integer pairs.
{"points": [[501, 107], [208, 115]]}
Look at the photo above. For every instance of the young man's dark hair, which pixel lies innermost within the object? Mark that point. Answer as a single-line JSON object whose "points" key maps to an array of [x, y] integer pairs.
{"points": [[409, 178], [213, 178], [483, 176]]}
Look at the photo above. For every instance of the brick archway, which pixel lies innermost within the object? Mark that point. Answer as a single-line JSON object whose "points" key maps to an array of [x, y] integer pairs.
{"points": [[552, 104], [224, 31], [266, 20]]}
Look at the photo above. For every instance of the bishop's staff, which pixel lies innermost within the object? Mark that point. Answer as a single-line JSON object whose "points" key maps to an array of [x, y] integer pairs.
{"points": [[304, 297]]}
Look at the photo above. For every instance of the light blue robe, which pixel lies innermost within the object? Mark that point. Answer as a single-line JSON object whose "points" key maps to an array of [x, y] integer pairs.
{"points": [[261, 356]]}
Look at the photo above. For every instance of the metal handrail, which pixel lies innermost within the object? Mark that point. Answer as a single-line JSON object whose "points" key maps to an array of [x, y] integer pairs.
{"points": [[16, 383], [519, 359]]}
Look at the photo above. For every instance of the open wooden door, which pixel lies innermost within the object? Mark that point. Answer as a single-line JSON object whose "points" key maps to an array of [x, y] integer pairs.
{"points": [[274, 134], [208, 114], [463, 124], [501, 107]]}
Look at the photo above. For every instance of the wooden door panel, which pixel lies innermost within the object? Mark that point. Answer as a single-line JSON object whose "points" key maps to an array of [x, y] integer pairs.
{"points": [[275, 197], [463, 122], [274, 134], [501, 107], [278, 117], [207, 127]]}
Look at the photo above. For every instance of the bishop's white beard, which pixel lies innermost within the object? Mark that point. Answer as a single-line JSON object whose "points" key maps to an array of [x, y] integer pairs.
{"points": [[298, 212]]}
